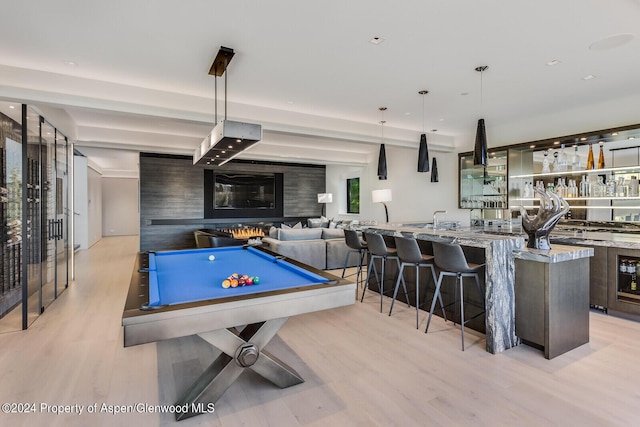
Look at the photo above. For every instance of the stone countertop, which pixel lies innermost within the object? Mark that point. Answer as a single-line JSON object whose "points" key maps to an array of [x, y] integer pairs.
{"points": [[596, 238], [462, 236], [557, 254]]}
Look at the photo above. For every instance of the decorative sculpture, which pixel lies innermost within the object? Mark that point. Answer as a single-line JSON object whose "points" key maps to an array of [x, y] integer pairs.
{"points": [[552, 208]]}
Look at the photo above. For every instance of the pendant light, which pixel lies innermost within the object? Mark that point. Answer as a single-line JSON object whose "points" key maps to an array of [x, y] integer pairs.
{"points": [[382, 156], [480, 147], [434, 171], [423, 152]]}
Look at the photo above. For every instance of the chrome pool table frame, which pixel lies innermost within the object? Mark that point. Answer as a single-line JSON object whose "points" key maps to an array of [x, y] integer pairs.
{"points": [[239, 327]]}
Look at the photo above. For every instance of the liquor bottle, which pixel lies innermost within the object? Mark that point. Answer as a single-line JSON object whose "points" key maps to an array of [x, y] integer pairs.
{"points": [[590, 158], [633, 186], [554, 166], [575, 161], [563, 161], [610, 186], [601, 157], [584, 187], [545, 163]]}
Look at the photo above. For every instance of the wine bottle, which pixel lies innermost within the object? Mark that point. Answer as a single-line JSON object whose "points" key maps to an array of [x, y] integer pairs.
{"points": [[601, 157], [590, 158]]}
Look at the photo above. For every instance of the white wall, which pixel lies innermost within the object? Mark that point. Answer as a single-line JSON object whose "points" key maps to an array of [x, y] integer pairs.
{"points": [[120, 213], [94, 204], [80, 202], [415, 197]]}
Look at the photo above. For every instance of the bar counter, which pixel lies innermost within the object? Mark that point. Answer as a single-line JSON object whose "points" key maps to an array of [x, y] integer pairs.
{"points": [[499, 275]]}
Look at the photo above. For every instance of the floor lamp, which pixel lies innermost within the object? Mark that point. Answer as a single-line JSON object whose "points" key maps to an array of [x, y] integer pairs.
{"points": [[324, 198], [382, 196]]}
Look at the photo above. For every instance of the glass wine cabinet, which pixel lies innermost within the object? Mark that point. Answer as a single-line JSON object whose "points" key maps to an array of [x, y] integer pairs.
{"points": [[34, 209]]}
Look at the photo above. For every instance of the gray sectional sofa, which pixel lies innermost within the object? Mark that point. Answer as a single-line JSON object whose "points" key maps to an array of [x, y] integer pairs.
{"points": [[322, 248]]}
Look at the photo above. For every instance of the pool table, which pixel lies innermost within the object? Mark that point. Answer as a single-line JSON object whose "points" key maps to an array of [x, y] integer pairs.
{"points": [[179, 293]]}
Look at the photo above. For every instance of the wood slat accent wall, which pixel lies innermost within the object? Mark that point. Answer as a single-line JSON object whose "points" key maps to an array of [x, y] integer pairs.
{"points": [[172, 188]]}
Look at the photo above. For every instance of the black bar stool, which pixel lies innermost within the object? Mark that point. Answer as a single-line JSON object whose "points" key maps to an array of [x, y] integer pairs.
{"points": [[358, 246], [410, 255], [378, 250], [451, 261]]}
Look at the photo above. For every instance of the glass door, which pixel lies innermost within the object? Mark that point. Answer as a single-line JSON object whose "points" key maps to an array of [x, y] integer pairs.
{"points": [[48, 212], [33, 215], [62, 214]]}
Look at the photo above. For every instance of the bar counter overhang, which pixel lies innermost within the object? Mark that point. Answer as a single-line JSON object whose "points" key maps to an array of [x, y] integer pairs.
{"points": [[499, 275]]}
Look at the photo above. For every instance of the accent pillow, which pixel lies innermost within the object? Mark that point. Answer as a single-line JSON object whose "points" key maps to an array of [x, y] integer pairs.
{"points": [[298, 226], [300, 234], [314, 222], [285, 226], [273, 232]]}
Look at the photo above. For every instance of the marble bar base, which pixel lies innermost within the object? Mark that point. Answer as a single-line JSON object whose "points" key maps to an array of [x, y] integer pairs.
{"points": [[552, 298]]}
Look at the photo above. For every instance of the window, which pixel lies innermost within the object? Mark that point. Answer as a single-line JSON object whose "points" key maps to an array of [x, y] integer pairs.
{"points": [[353, 195]]}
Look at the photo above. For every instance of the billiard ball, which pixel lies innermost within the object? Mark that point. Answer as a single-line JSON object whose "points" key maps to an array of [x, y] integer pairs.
{"points": [[226, 283], [256, 280], [234, 283], [212, 257]]}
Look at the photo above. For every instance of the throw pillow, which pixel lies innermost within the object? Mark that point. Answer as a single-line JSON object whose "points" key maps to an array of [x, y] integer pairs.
{"points": [[298, 226], [301, 234], [273, 232], [285, 227]]}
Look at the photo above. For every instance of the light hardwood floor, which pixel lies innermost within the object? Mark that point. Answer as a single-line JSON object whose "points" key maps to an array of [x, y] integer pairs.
{"points": [[362, 368]]}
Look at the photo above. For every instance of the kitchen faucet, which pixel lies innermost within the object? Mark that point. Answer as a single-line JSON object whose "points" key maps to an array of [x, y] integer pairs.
{"points": [[435, 219]]}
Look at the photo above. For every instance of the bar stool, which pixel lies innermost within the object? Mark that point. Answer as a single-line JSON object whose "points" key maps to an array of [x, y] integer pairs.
{"points": [[358, 246], [378, 250], [410, 255], [451, 261]]}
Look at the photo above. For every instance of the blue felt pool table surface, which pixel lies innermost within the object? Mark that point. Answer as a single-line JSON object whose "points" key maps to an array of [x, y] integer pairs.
{"points": [[177, 277]]}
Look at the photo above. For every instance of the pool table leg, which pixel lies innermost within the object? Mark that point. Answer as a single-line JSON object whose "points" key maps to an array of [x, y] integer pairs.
{"points": [[240, 350]]}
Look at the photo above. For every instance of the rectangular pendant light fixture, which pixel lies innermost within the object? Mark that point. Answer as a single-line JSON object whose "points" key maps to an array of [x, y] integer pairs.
{"points": [[228, 138]]}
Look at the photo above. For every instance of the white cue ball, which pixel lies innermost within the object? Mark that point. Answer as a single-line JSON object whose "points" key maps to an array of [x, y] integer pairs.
{"points": [[212, 257]]}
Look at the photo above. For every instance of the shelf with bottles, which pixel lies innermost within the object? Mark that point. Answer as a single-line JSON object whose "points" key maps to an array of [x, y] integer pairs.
{"points": [[617, 170]]}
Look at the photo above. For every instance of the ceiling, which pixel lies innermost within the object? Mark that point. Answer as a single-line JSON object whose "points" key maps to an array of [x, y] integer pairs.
{"points": [[133, 75]]}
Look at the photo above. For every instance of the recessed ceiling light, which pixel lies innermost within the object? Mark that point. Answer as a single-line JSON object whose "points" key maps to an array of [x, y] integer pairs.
{"points": [[583, 139], [611, 42], [223, 151], [217, 155], [556, 143], [532, 146], [70, 63], [589, 77], [553, 62], [376, 40], [614, 134], [230, 146], [12, 107], [632, 137], [238, 140]]}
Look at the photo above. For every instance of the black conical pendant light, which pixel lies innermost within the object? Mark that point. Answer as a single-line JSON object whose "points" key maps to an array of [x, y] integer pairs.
{"points": [[382, 156], [423, 151], [382, 163], [434, 171], [480, 147]]}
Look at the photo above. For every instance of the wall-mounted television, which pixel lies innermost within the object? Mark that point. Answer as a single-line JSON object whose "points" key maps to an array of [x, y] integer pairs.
{"points": [[233, 194]]}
